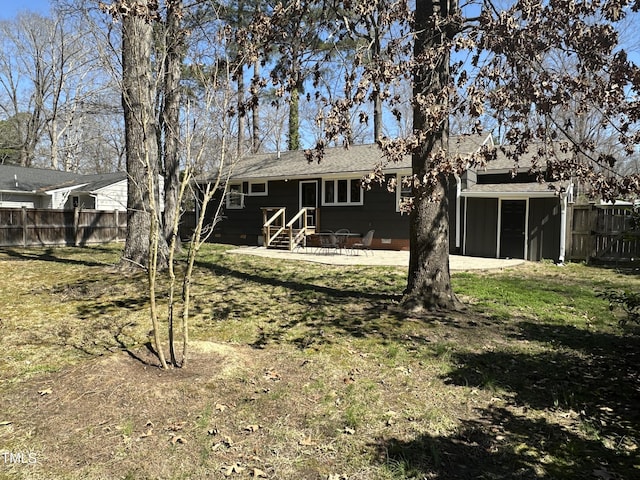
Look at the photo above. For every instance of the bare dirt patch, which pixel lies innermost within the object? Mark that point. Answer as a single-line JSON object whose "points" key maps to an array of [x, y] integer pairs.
{"points": [[120, 409]]}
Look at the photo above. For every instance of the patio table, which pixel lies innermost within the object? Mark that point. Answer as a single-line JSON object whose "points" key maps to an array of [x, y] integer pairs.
{"points": [[333, 240]]}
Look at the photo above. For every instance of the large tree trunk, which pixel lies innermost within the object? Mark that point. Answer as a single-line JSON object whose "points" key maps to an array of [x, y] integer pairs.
{"points": [[140, 140], [174, 37], [429, 281]]}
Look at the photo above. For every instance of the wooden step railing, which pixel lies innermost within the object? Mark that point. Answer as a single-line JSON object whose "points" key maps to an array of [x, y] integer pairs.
{"points": [[275, 227]]}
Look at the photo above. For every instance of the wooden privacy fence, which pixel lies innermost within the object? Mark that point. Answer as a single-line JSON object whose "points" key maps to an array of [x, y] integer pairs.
{"points": [[602, 233], [22, 227]]}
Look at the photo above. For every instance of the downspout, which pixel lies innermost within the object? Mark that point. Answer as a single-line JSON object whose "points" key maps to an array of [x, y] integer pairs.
{"points": [[563, 221], [458, 220]]}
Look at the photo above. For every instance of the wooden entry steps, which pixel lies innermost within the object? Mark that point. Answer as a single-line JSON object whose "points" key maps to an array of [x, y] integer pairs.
{"points": [[281, 235]]}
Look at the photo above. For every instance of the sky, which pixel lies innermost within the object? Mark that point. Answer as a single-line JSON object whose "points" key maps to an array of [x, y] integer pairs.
{"points": [[10, 8]]}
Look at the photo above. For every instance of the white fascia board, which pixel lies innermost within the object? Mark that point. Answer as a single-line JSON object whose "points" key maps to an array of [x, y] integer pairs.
{"points": [[21, 192], [509, 195], [65, 189], [313, 176]]}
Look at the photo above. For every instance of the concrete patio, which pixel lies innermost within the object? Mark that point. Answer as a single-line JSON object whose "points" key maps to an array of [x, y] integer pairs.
{"points": [[390, 258]]}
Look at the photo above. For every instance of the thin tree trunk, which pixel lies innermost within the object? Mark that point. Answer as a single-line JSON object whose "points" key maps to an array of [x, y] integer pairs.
{"points": [[152, 271], [377, 101], [377, 114], [240, 108], [294, 118], [255, 113], [172, 274], [171, 115]]}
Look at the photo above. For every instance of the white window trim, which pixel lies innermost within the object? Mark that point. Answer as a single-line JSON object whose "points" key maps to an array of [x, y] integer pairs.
{"points": [[259, 194], [335, 202], [230, 193]]}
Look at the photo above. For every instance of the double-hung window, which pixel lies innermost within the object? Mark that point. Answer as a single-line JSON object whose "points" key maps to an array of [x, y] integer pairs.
{"points": [[404, 192], [235, 197], [342, 191]]}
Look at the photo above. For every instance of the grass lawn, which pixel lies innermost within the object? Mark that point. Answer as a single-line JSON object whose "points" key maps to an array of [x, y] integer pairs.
{"points": [[309, 371]]}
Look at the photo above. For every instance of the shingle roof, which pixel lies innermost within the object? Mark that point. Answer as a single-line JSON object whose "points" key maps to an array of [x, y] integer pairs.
{"points": [[529, 187], [525, 161], [98, 181], [32, 179], [23, 179], [357, 159]]}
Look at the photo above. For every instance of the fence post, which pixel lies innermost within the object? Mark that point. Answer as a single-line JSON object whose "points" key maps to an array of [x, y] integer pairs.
{"points": [[24, 226], [76, 225], [568, 226], [117, 222]]}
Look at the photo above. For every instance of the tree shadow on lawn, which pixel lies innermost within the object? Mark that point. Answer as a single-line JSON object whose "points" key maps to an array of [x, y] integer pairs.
{"points": [[275, 281], [590, 377], [318, 299], [502, 444], [54, 255]]}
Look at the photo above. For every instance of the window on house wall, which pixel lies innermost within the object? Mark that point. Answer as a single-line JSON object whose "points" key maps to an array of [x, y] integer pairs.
{"points": [[258, 189], [403, 192], [342, 192], [235, 197]]}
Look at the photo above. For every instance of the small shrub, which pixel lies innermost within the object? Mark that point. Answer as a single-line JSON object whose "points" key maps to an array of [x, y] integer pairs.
{"points": [[628, 301]]}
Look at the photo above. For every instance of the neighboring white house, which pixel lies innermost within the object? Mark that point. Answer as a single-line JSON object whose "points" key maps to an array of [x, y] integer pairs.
{"points": [[52, 189]]}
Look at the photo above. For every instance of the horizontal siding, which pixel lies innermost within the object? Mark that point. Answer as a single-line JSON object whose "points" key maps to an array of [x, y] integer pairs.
{"points": [[378, 212], [113, 197]]}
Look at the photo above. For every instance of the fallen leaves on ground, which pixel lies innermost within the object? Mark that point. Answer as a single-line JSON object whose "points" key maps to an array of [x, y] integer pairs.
{"points": [[231, 469], [272, 375]]}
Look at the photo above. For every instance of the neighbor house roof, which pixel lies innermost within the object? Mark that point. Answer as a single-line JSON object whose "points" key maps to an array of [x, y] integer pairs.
{"points": [[98, 181], [23, 179], [38, 180], [357, 159]]}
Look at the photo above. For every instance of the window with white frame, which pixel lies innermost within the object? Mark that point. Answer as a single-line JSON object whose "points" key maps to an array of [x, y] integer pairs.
{"points": [[404, 192], [342, 191], [235, 197], [258, 189]]}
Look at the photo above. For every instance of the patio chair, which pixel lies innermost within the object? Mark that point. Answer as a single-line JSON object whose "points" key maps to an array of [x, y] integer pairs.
{"points": [[342, 236], [328, 242], [365, 245]]}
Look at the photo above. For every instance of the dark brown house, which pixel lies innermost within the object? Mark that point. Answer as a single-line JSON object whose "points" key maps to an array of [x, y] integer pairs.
{"points": [[491, 214]]}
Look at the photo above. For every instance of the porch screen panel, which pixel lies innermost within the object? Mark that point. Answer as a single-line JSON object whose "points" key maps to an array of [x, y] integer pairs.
{"points": [[544, 229], [482, 223]]}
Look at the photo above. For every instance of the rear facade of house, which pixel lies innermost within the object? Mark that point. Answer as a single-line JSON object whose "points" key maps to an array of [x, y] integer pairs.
{"points": [[491, 213]]}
